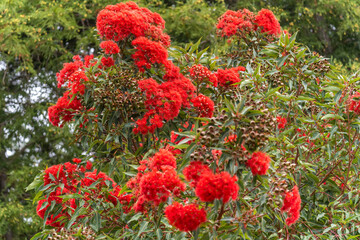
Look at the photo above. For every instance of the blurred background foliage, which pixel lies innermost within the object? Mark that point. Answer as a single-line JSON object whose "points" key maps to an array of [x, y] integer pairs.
{"points": [[38, 36]]}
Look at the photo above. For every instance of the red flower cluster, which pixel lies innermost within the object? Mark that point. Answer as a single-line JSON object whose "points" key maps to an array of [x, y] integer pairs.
{"points": [[267, 22], [244, 21], [193, 172], [148, 53], [73, 74], [163, 102], [185, 218], [156, 34], [259, 163], [228, 77], [128, 22], [204, 105], [124, 20], [64, 109], [282, 122], [292, 205], [216, 154], [68, 69], [69, 175], [156, 181], [162, 158], [107, 62], [230, 23], [201, 74], [355, 103], [110, 47], [230, 138], [44, 204], [217, 186], [76, 82]]}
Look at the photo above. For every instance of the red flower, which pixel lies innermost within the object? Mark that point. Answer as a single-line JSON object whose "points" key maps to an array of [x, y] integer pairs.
{"points": [[76, 82], [172, 71], [216, 154], [200, 74], [68, 70], [259, 163], [156, 34], [107, 62], [110, 47], [355, 103], [193, 172], [228, 77], [162, 158], [154, 187], [157, 186], [115, 197], [63, 110], [204, 105], [282, 122], [230, 138], [76, 160], [88, 165], [163, 102], [148, 53], [89, 60], [117, 22], [292, 205], [217, 186], [91, 177], [57, 172], [44, 204], [40, 210], [185, 218], [231, 23], [266, 20]]}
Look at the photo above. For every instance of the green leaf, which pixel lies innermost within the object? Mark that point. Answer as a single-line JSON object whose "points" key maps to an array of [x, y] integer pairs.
{"points": [[143, 227], [301, 53], [96, 222], [332, 116], [135, 217], [74, 216], [159, 234], [303, 98], [35, 184], [39, 235], [313, 177], [281, 61]]}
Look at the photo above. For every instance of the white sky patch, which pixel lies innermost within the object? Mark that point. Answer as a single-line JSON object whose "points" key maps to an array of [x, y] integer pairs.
{"points": [[2, 65]]}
